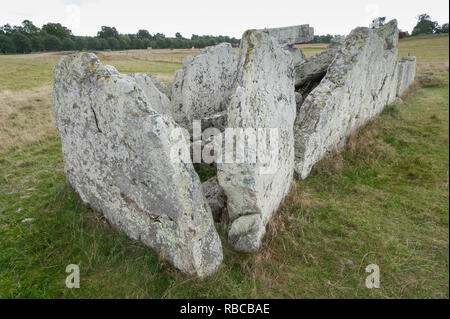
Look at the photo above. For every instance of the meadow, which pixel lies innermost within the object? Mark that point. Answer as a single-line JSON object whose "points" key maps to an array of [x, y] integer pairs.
{"points": [[383, 199]]}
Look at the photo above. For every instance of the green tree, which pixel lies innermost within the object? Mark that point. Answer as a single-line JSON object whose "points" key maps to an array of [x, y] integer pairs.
{"points": [[22, 43], [29, 28], [36, 43], [102, 44], [92, 43], [6, 44], [178, 35], [6, 29], [108, 32], [57, 30], [113, 43], [125, 42], [51, 42], [442, 29], [424, 25], [81, 43], [67, 44], [143, 34], [325, 38]]}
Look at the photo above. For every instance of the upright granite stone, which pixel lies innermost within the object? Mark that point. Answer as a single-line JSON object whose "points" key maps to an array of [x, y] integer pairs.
{"points": [[357, 86], [288, 36], [406, 73], [202, 88], [118, 156], [263, 98]]}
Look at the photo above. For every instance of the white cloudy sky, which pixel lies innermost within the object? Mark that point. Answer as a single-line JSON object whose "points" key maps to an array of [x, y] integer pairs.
{"points": [[225, 17]]}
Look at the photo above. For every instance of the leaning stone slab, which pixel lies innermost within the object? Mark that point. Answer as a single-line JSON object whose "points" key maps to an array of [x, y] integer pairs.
{"points": [[202, 88], [357, 86], [316, 66], [160, 102], [297, 55], [288, 36], [117, 156], [263, 98], [162, 87]]}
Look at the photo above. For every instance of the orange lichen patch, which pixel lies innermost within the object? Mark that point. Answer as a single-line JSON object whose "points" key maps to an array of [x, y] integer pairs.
{"points": [[250, 48]]}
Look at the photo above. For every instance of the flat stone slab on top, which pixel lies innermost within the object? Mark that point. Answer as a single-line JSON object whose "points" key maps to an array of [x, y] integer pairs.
{"points": [[288, 36]]}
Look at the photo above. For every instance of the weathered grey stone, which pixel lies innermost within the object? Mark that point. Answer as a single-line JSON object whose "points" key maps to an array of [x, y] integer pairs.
{"points": [[179, 114], [218, 120], [117, 156], [388, 32], [215, 197], [298, 100], [288, 36], [297, 55], [160, 102], [358, 84], [406, 72], [315, 67], [202, 88], [263, 98], [162, 87]]}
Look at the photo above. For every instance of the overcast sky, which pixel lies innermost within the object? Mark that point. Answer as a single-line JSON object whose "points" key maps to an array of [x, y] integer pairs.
{"points": [[224, 17]]}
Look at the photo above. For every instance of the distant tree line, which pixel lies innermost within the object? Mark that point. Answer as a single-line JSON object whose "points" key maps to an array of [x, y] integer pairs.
{"points": [[322, 38], [54, 36], [28, 38]]}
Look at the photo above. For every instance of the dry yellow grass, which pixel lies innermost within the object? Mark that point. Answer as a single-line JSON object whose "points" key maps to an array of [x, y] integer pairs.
{"points": [[169, 56], [312, 45], [25, 117]]}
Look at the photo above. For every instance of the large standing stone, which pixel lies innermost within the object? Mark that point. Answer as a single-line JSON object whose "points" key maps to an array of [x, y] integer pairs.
{"points": [[202, 88], [288, 36], [357, 86], [263, 98], [117, 156]]}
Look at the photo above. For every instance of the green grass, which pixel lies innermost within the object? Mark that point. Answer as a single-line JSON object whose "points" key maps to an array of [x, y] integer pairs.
{"points": [[23, 72], [27, 71], [428, 49], [309, 52], [383, 200]]}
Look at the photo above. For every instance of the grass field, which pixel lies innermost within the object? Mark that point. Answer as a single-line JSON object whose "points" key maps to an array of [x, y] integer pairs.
{"points": [[312, 49], [383, 199]]}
